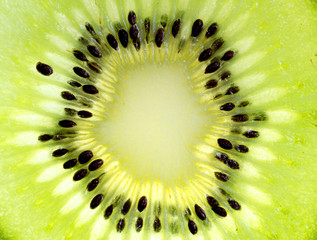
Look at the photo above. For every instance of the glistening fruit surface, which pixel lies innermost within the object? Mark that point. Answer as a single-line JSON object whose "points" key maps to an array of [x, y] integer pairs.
{"points": [[158, 120]]}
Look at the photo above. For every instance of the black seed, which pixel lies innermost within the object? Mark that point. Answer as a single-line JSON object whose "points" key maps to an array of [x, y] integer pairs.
{"points": [[217, 44], [90, 29], [83, 41], [212, 29], [147, 25], [205, 55], [219, 211], [187, 212], [67, 123], [84, 114], [192, 227], [80, 174], [96, 201], [227, 56], [93, 184], [108, 212], [157, 225], [70, 111], [212, 67], [120, 225], [222, 157], [126, 207], [224, 143], [44, 69], [85, 156], [139, 224], [79, 55], [94, 165], [123, 37], [240, 118], [132, 18], [112, 41], [211, 84], [234, 204], [251, 134], [45, 137], [94, 51], [242, 148], [60, 152], [227, 107], [243, 104], [175, 28], [94, 67], [68, 96], [159, 37], [142, 203], [70, 163], [81, 72], [137, 44], [221, 176], [90, 89], [223, 192], [200, 212], [225, 76], [197, 27], [232, 90], [212, 201], [74, 83], [134, 33], [164, 19], [232, 164]]}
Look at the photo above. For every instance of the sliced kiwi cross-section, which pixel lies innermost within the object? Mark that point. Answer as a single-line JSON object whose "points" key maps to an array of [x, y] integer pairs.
{"points": [[148, 119]]}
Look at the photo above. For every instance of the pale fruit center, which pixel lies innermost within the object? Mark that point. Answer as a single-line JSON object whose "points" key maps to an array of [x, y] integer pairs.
{"points": [[155, 122]]}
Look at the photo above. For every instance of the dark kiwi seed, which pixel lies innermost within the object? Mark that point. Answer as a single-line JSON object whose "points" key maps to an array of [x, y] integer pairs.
{"points": [[126, 207], [222, 157], [67, 123], [142, 203], [240, 118], [81, 72], [192, 227], [164, 19], [147, 25], [200, 212], [45, 137], [217, 44], [234, 204], [175, 28], [212, 201], [93, 184], [260, 117], [205, 55], [243, 104], [68, 96], [112, 41], [60, 152], [225, 76], [70, 163], [90, 89], [137, 44], [227, 107], [232, 164], [242, 148], [108, 211], [83, 41], [85, 156], [159, 37], [94, 165], [157, 225], [227, 56], [94, 51], [70, 111], [74, 83], [132, 18], [212, 29], [221, 176], [94, 67], [251, 134], [44, 69], [197, 27], [219, 211], [120, 225], [224, 143], [80, 174], [212, 67], [84, 114], [123, 37], [187, 212], [139, 224], [211, 84], [90, 29], [134, 33], [79, 55], [232, 90], [95, 202]]}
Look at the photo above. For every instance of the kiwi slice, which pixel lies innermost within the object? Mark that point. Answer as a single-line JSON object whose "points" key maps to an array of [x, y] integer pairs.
{"points": [[161, 119]]}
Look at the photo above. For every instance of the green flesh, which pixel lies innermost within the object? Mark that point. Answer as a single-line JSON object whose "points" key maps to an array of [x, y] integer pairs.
{"points": [[275, 67]]}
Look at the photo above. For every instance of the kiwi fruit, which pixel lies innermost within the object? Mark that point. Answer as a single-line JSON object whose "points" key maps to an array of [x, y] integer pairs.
{"points": [[158, 119]]}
